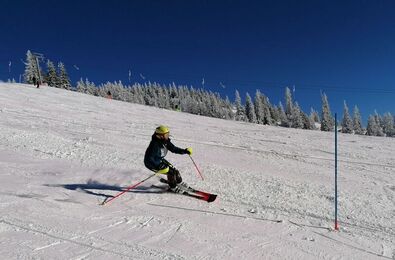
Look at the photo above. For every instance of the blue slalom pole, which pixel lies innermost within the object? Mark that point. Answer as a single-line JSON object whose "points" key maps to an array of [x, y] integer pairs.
{"points": [[336, 223]]}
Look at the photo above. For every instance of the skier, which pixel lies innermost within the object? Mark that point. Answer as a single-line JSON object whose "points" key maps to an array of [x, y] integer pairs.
{"points": [[36, 82], [157, 150]]}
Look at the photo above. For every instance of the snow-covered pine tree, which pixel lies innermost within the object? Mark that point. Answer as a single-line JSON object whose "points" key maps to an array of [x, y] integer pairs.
{"points": [[137, 93], [388, 124], [129, 94], [31, 70], [250, 110], [81, 86], [283, 116], [288, 102], [288, 107], [51, 76], [216, 105], [347, 124], [202, 108], [379, 123], [174, 97], [308, 122], [275, 115], [64, 80], [205, 103], [229, 111], [223, 113], [240, 114], [159, 94], [91, 88], [166, 97], [258, 106], [150, 97], [357, 122], [327, 121], [267, 120], [393, 124], [314, 118], [373, 128], [296, 117], [185, 99], [123, 93]]}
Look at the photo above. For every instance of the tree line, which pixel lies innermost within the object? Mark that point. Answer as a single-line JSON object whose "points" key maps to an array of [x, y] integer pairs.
{"points": [[206, 103]]}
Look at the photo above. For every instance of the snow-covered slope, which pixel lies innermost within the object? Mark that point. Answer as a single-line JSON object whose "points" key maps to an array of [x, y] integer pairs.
{"points": [[62, 153]]}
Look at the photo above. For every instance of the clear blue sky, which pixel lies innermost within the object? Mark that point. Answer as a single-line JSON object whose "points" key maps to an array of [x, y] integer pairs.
{"points": [[344, 48]]}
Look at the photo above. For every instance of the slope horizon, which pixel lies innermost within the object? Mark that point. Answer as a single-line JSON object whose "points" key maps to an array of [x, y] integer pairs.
{"points": [[364, 117]]}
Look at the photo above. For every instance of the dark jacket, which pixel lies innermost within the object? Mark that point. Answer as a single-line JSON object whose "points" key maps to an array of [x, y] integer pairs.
{"points": [[157, 150]]}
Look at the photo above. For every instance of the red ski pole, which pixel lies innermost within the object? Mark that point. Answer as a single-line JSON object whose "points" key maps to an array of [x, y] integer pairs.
{"points": [[127, 189], [196, 167]]}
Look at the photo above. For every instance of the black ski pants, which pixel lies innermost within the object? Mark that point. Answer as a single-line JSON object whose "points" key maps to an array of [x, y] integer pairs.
{"points": [[173, 175]]}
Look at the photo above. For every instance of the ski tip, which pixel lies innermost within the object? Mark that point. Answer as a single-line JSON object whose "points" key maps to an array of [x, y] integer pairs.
{"points": [[104, 202], [211, 198]]}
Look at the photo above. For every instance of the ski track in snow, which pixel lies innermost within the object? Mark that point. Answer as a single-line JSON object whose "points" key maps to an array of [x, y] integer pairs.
{"points": [[62, 153]]}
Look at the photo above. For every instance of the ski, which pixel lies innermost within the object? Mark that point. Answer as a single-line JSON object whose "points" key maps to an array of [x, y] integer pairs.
{"points": [[201, 196], [186, 187], [191, 192]]}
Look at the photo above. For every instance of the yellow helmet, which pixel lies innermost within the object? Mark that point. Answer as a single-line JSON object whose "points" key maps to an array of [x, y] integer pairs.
{"points": [[161, 130]]}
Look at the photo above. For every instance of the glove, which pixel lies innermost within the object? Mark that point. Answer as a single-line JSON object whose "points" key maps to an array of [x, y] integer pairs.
{"points": [[188, 150]]}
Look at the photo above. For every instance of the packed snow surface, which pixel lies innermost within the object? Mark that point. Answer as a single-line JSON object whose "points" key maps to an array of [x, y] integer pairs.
{"points": [[62, 153]]}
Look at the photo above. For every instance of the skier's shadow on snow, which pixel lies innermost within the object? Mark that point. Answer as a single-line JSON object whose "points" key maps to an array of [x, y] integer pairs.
{"points": [[95, 185]]}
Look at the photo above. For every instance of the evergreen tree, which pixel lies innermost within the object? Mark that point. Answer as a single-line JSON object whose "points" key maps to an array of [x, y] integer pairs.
{"points": [[308, 122], [250, 110], [166, 97], [276, 117], [372, 127], [258, 106], [267, 120], [288, 103], [81, 86], [51, 76], [314, 116], [228, 107], [90, 88], [283, 116], [357, 122], [64, 80], [138, 94], [151, 98], [388, 124], [213, 108], [31, 69], [288, 108], [379, 124], [327, 121], [296, 116], [240, 114], [347, 124]]}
